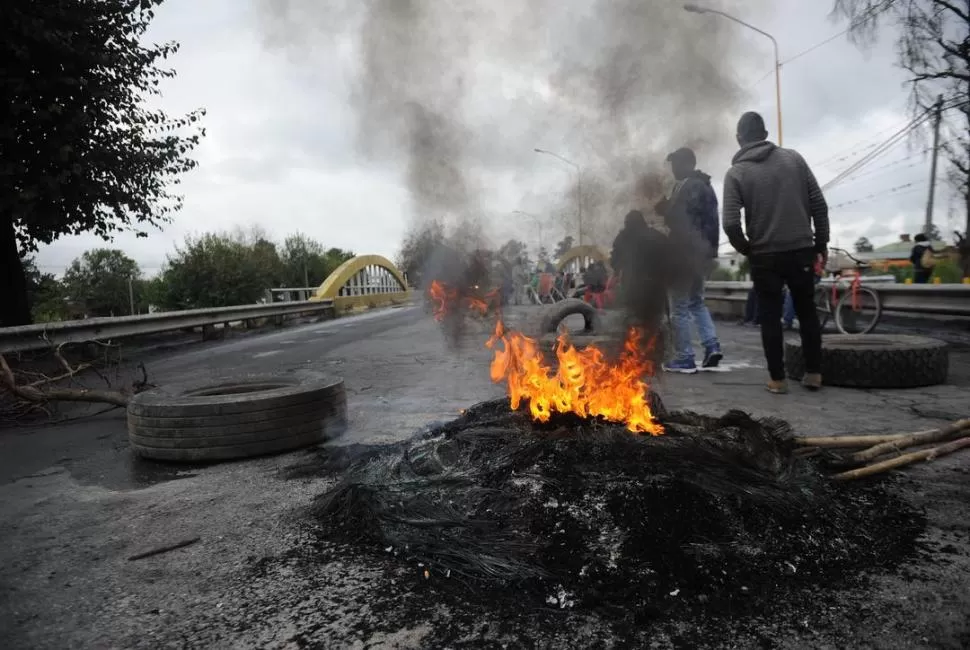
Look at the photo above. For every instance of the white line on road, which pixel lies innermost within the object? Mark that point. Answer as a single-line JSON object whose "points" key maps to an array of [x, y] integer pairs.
{"points": [[268, 353]]}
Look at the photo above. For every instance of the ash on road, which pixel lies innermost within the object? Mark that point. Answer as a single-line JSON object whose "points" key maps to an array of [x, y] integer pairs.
{"points": [[75, 506]]}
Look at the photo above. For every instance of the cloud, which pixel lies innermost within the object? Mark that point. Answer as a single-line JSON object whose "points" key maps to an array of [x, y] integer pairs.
{"points": [[610, 84]]}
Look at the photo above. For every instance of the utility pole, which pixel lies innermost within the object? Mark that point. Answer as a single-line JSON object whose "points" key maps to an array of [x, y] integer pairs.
{"points": [[937, 118], [306, 278], [131, 297]]}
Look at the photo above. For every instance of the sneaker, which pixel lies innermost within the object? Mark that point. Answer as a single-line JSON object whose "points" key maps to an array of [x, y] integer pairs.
{"points": [[712, 356], [778, 387], [812, 380], [683, 366]]}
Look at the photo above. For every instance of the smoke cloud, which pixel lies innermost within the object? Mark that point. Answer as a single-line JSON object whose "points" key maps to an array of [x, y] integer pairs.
{"points": [[460, 93]]}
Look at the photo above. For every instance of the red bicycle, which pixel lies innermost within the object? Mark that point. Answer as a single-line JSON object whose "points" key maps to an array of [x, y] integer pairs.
{"points": [[857, 308]]}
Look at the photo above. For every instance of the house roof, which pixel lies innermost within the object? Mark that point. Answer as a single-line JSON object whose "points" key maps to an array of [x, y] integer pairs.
{"points": [[899, 250]]}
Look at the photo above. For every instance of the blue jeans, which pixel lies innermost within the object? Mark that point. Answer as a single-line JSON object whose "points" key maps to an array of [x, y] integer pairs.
{"points": [[687, 305]]}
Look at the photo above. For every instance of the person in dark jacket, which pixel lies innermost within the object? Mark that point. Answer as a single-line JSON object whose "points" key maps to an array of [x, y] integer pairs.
{"points": [[691, 216], [921, 274], [782, 202], [639, 259]]}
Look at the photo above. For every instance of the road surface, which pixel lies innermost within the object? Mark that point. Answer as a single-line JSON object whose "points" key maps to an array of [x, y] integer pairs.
{"points": [[75, 505]]}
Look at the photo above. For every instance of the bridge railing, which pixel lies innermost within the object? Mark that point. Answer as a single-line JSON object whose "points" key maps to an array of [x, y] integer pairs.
{"points": [[929, 299], [46, 335]]}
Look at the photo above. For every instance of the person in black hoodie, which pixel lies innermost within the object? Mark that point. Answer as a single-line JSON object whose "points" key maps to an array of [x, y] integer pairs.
{"points": [[786, 227], [691, 216], [640, 260]]}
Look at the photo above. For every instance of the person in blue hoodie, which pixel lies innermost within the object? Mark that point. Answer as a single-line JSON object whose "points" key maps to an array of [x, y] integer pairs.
{"points": [[691, 215]]}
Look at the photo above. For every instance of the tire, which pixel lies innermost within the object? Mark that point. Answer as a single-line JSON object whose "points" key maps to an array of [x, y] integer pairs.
{"points": [[556, 313], [859, 316], [875, 361], [236, 417]]}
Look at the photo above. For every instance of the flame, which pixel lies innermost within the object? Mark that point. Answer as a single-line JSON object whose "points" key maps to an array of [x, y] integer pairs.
{"points": [[447, 298], [586, 383]]}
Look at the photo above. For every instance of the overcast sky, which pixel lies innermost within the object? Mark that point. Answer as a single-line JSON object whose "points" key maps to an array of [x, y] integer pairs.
{"points": [[284, 153]]}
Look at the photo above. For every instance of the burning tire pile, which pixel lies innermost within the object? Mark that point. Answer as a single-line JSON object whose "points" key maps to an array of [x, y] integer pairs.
{"points": [[716, 515]]}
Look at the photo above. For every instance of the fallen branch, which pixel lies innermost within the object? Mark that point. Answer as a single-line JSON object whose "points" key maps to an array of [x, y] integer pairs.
{"points": [[34, 394], [850, 441], [165, 549], [913, 440], [905, 459]]}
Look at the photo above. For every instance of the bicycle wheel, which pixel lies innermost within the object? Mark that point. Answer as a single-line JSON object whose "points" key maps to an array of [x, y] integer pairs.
{"points": [[859, 316], [823, 305]]}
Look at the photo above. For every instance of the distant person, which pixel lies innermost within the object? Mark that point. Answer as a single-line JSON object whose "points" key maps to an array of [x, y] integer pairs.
{"points": [[923, 258], [596, 277], [690, 214], [781, 201]]}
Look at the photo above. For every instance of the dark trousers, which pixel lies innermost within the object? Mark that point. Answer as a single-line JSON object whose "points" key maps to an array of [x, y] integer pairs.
{"points": [[922, 276], [771, 273]]}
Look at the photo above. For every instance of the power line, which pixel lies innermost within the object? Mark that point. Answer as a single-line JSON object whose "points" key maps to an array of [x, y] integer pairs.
{"points": [[864, 18], [891, 142], [892, 191]]}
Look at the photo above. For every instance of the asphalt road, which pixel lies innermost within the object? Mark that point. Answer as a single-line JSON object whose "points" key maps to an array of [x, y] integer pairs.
{"points": [[94, 448], [75, 505]]}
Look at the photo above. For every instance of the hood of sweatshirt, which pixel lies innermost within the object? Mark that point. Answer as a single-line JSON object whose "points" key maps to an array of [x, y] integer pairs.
{"points": [[754, 152]]}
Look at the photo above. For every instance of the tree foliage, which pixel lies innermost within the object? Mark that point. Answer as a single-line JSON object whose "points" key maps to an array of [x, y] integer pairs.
{"points": [[933, 47], [81, 150], [564, 246], [419, 246], [863, 245], [219, 269], [306, 263], [97, 283]]}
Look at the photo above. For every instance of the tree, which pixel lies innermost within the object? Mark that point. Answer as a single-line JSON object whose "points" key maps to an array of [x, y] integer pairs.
{"points": [[564, 246], [419, 246], [45, 295], [98, 282], [933, 47], [306, 263], [863, 245], [933, 233], [81, 152], [219, 270], [514, 252]]}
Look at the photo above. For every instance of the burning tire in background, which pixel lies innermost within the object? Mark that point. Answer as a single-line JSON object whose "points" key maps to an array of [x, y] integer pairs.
{"points": [[875, 360], [236, 417], [555, 314]]}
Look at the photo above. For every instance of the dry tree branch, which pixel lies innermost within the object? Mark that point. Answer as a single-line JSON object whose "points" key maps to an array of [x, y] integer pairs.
{"points": [[41, 391], [32, 393]]}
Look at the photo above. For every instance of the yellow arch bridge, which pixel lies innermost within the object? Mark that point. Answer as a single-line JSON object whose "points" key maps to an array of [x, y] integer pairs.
{"points": [[362, 281]]}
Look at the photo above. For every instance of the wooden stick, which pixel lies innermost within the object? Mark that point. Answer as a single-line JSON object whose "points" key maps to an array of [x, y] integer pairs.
{"points": [[848, 441], [165, 549], [905, 459], [914, 440]]}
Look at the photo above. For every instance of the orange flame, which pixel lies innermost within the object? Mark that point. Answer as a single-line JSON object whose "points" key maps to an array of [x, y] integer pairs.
{"points": [[448, 298], [585, 383]]}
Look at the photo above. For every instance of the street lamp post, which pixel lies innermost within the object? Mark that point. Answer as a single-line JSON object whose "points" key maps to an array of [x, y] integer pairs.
{"points": [[705, 10], [579, 189]]}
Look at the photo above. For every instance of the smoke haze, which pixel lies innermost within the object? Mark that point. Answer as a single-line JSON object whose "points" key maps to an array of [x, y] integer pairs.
{"points": [[458, 94]]}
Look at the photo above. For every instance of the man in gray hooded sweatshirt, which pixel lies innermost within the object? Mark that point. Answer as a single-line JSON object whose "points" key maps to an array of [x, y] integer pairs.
{"points": [[781, 201]]}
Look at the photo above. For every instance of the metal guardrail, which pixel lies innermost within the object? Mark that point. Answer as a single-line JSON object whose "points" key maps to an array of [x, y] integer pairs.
{"points": [[929, 299], [290, 294], [42, 335]]}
